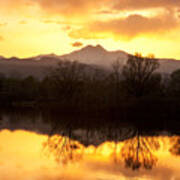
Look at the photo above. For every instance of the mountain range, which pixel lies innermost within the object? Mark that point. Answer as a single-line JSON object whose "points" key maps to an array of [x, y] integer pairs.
{"points": [[92, 55]]}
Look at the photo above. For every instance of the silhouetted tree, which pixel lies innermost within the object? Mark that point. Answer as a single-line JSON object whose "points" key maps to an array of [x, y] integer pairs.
{"points": [[30, 88], [47, 89], [137, 73], [174, 84], [12, 89], [115, 79], [2, 78], [95, 88], [68, 79]]}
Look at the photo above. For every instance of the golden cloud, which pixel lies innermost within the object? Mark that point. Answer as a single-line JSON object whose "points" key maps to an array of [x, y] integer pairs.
{"points": [[85, 11], [84, 7], [77, 44], [71, 7], [20, 9], [3, 24], [23, 22], [144, 4], [13, 5], [127, 28], [52, 22], [1, 38]]}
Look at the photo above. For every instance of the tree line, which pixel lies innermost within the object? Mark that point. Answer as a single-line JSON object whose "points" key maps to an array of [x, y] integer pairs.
{"points": [[75, 85]]}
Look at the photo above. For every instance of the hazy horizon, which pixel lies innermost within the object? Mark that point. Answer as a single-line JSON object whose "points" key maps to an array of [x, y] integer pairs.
{"points": [[83, 47]]}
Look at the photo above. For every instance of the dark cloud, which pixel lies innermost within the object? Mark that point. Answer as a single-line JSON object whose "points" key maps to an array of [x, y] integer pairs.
{"points": [[77, 44], [128, 27]]}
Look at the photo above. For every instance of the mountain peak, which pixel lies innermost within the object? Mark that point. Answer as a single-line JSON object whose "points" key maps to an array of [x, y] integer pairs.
{"points": [[93, 48], [96, 55], [99, 47]]}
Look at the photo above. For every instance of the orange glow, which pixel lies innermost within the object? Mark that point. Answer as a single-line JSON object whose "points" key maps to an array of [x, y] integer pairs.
{"points": [[22, 155], [42, 27]]}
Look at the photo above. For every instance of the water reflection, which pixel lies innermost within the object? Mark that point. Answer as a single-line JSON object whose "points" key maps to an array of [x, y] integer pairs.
{"points": [[63, 149], [139, 152], [87, 130], [135, 153], [23, 155], [175, 149], [72, 149]]}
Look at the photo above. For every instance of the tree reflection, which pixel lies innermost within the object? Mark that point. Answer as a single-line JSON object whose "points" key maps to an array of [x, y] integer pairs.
{"points": [[175, 149], [136, 153], [139, 152], [63, 149]]}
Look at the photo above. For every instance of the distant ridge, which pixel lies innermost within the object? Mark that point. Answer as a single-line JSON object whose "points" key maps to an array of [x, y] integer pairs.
{"points": [[96, 55]]}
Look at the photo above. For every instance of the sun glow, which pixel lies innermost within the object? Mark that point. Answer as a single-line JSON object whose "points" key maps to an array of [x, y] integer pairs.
{"points": [[25, 154], [43, 27]]}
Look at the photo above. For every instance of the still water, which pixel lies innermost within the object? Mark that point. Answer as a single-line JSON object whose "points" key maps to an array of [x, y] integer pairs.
{"points": [[27, 155], [34, 147]]}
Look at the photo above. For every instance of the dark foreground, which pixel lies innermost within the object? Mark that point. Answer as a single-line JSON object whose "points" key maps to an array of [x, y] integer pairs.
{"points": [[125, 122]]}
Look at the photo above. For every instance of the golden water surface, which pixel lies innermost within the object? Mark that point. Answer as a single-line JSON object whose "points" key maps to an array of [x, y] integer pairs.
{"points": [[29, 156]]}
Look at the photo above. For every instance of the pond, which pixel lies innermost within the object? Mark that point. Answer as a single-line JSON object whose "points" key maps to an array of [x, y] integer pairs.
{"points": [[33, 148]]}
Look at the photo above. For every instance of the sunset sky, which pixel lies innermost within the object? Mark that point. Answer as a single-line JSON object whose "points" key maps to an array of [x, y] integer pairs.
{"points": [[33, 27]]}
